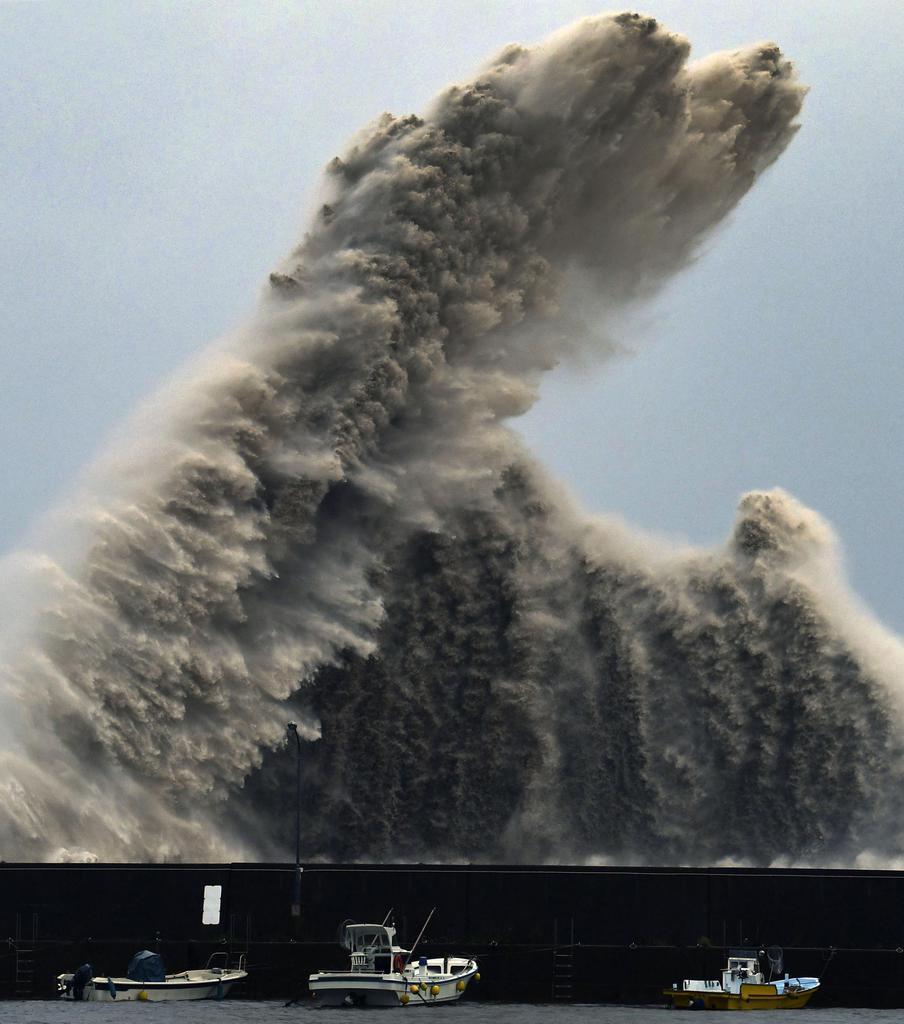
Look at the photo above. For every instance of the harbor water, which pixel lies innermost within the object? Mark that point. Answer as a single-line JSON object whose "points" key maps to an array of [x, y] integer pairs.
{"points": [[246, 1012]]}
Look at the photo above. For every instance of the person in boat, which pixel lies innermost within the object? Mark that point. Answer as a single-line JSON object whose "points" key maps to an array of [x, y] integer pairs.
{"points": [[79, 980]]}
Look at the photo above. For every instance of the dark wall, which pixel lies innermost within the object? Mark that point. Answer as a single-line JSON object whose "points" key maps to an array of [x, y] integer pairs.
{"points": [[630, 930]]}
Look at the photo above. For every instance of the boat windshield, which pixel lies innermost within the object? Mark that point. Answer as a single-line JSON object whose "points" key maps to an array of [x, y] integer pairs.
{"points": [[743, 958], [360, 937]]}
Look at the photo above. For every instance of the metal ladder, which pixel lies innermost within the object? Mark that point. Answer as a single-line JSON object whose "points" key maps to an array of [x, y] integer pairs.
{"points": [[24, 949], [563, 966], [237, 958]]}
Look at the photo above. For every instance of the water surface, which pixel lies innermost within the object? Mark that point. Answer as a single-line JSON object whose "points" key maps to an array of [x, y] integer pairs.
{"points": [[247, 1012]]}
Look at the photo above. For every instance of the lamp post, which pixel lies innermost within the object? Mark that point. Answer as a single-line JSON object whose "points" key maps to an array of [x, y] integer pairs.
{"points": [[292, 730]]}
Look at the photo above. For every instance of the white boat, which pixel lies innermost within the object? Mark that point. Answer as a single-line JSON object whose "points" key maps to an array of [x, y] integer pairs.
{"points": [[380, 973], [146, 981]]}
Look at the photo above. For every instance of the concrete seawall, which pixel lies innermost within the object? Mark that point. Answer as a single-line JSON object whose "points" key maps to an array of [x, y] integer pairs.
{"points": [[601, 934]]}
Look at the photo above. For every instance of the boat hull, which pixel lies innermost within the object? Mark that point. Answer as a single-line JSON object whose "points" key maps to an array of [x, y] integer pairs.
{"points": [[197, 985], [345, 988], [751, 997]]}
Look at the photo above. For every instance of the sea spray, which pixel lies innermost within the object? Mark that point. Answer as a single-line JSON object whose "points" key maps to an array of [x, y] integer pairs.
{"points": [[335, 521]]}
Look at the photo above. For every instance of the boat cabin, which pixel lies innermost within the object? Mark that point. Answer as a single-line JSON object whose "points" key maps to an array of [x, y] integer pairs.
{"points": [[371, 947], [743, 969]]}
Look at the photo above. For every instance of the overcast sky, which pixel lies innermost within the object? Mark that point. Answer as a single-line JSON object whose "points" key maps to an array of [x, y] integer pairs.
{"points": [[158, 160]]}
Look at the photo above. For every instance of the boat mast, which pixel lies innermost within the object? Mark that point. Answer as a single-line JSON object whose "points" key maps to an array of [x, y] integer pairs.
{"points": [[418, 939]]}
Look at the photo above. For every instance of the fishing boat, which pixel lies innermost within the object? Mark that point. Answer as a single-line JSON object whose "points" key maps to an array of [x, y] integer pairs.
{"points": [[381, 973], [146, 981], [743, 986]]}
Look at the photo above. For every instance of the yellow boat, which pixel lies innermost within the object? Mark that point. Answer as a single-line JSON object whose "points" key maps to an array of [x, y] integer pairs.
{"points": [[743, 987]]}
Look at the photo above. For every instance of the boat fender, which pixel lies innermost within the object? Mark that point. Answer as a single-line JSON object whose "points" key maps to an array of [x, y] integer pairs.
{"points": [[414, 990], [423, 986], [460, 985], [434, 991], [404, 999], [220, 991], [111, 988], [398, 963], [477, 977], [142, 996]]}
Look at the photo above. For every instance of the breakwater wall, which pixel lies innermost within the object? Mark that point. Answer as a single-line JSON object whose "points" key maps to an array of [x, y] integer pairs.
{"points": [[587, 934]]}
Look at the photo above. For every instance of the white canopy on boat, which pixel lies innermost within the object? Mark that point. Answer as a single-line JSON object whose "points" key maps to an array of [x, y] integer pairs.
{"points": [[375, 937]]}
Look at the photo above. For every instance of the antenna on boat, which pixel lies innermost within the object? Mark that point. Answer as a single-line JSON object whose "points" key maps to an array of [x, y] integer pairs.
{"points": [[388, 915], [420, 934]]}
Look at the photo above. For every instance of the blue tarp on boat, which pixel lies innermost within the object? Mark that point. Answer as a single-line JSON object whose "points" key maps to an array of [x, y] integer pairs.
{"points": [[146, 966]]}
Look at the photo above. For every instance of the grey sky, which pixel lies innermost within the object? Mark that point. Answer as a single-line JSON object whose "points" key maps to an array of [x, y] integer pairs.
{"points": [[158, 159]]}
